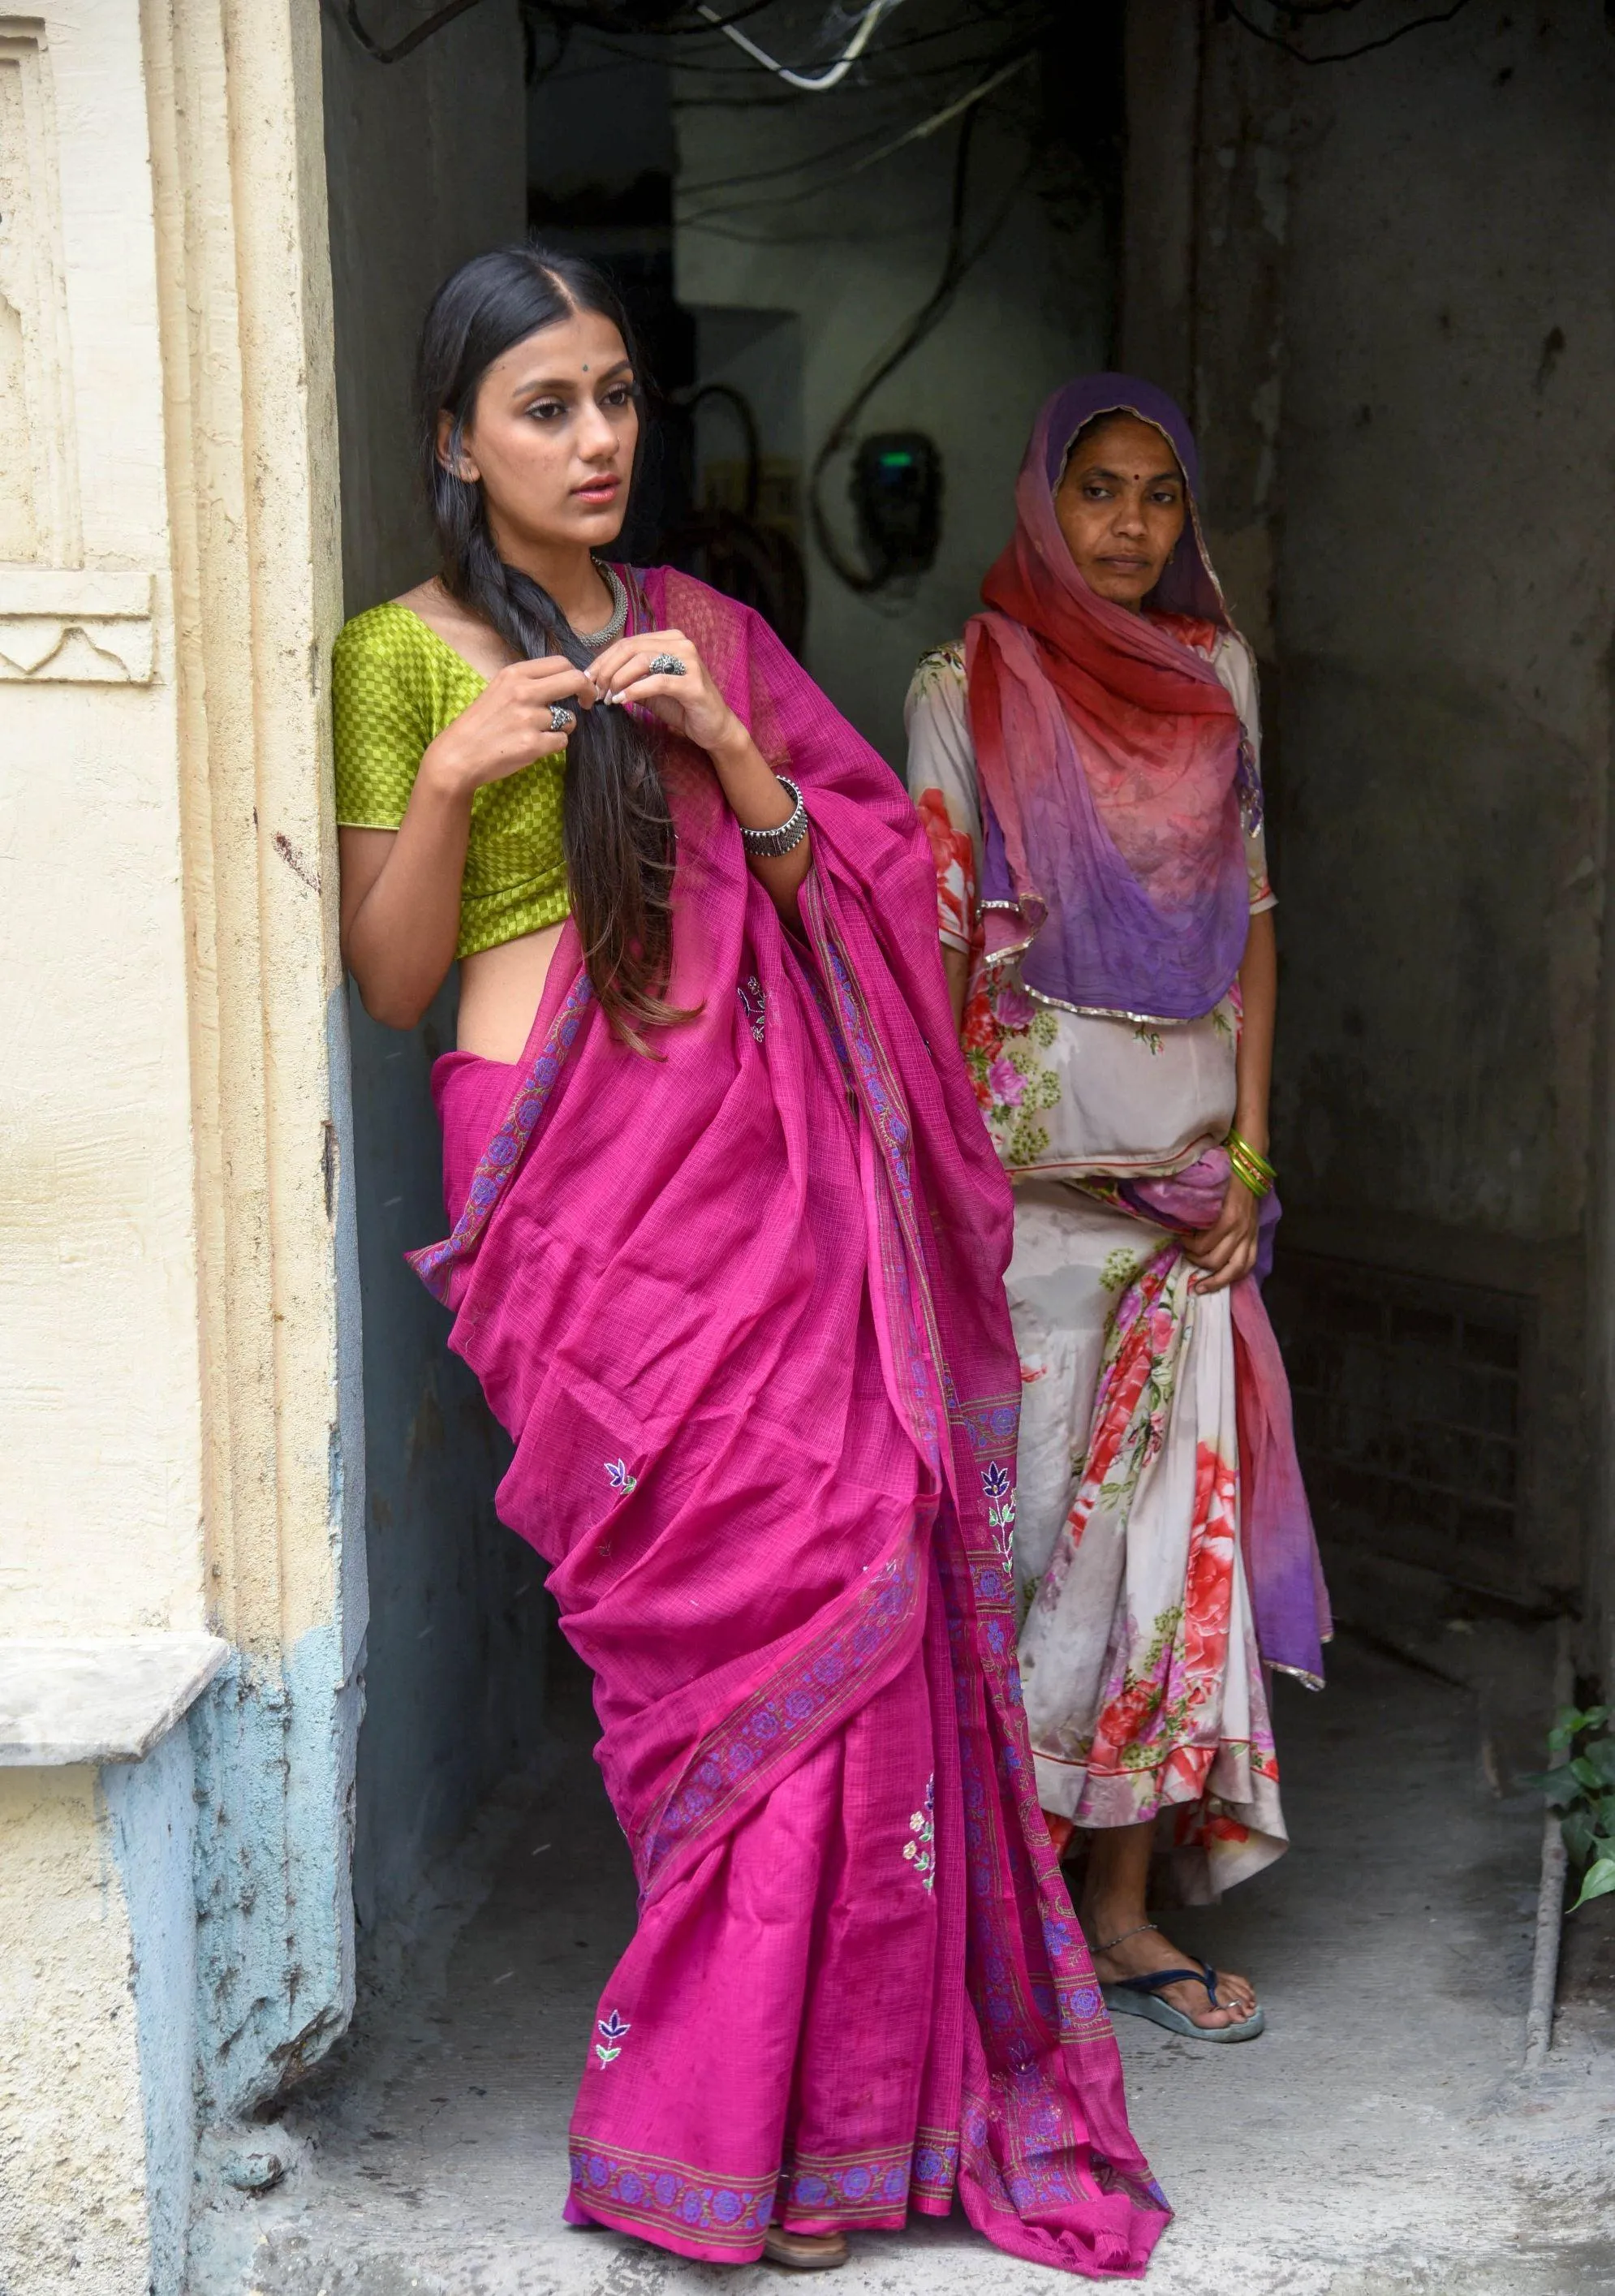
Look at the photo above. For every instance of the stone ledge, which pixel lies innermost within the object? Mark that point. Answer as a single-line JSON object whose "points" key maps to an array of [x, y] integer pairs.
{"points": [[107, 1698]]}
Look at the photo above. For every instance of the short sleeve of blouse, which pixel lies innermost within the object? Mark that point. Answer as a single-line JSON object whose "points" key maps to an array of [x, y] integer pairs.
{"points": [[942, 783], [382, 717], [1235, 665]]}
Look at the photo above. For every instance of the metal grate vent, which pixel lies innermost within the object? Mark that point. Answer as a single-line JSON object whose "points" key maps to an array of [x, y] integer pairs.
{"points": [[1407, 1408]]}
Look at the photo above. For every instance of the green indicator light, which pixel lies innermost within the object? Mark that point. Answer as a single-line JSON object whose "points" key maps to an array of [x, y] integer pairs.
{"points": [[897, 462]]}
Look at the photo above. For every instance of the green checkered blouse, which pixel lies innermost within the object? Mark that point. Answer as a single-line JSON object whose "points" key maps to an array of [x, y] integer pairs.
{"points": [[394, 686]]}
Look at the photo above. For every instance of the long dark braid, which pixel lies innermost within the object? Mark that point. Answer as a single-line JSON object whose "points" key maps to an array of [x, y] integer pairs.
{"points": [[616, 833]]}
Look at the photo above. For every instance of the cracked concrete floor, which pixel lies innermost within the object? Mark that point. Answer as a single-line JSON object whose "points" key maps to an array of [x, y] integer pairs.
{"points": [[1379, 2137]]}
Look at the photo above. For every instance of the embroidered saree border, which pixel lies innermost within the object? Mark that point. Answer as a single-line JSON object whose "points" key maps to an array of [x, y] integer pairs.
{"points": [[705, 2205], [852, 2187], [755, 1743], [504, 1152], [1073, 2007], [673, 2196]]}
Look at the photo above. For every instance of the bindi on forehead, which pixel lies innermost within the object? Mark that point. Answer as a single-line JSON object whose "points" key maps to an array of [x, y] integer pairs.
{"points": [[1137, 474]]}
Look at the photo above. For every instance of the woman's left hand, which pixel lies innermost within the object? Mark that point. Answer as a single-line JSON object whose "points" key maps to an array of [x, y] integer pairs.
{"points": [[686, 701], [1226, 1251]]}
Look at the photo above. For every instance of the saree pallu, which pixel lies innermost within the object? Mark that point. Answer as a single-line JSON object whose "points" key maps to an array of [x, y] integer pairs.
{"points": [[740, 1307]]}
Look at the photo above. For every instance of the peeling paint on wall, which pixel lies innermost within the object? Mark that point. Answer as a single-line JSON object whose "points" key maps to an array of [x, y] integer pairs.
{"points": [[150, 1806], [273, 1754]]}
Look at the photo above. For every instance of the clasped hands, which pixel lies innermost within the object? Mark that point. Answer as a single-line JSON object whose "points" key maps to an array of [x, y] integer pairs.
{"points": [[514, 720]]}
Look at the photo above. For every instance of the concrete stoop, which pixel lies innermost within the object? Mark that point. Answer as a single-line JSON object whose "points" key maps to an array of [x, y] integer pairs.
{"points": [[1380, 2137]]}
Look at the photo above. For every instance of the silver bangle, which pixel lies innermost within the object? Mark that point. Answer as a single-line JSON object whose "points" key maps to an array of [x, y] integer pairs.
{"points": [[774, 844]]}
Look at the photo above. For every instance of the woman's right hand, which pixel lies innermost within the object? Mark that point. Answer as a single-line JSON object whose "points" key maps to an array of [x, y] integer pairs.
{"points": [[508, 725]]}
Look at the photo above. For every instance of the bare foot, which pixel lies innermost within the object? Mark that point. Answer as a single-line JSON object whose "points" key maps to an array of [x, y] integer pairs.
{"points": [[1146, 1950]]}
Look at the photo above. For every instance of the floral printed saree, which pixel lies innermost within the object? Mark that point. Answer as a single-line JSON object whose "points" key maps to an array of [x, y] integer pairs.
{"points": [[1089, 782], [740, 1307]]}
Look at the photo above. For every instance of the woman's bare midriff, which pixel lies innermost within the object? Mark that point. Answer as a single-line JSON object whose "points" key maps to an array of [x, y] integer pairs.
{"points": [[499, 993]]}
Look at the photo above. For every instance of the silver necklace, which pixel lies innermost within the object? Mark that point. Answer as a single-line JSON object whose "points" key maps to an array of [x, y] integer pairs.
{"points": [[596, 639]]}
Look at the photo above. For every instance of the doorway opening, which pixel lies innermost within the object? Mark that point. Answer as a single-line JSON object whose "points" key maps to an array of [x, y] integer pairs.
{"points": [[1386, 312]]}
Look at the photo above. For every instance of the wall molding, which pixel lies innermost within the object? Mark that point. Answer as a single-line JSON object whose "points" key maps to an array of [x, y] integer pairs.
{"points": [[73, 624]]}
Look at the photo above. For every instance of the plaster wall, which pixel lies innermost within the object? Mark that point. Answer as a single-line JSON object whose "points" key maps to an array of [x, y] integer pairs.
{"points": [[1384, 288], [1449, 605], [73, 2206], [100, 1417], [178, 1390], [427, 165], [853, 259]]}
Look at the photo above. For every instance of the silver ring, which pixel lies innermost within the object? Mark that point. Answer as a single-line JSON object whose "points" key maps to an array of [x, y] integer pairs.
{"points": [[666, 665], [562, 721]]}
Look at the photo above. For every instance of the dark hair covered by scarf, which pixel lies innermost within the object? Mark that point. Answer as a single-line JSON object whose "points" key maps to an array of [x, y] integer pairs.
{"points": [[1110, 753]]}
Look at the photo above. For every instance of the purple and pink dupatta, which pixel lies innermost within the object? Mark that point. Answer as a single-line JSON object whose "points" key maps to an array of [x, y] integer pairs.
{"points": [[1112, 767], [740, 1307], [1110, 753]]}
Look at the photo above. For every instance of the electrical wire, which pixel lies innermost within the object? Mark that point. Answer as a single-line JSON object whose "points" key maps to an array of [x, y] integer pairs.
{"points": [[1044, 16], [411, 41], [937, 119], [1340, 55], [833, 75], [604, 16], [956, 263]]}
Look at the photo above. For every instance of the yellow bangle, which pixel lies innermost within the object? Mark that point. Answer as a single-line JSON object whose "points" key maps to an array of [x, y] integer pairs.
{"points": [[1237, 1144], [1250, 1167]]}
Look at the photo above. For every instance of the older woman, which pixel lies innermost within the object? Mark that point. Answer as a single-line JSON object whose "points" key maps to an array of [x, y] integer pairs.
{"points": [[1087, 767]]}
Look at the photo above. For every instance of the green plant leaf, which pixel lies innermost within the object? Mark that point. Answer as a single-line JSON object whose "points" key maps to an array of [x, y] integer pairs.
{"points": [[1600, 1883], [1577, 1827], [1571, 1721], [1586, 1775], [1601, 1753], [1560, 1786]]}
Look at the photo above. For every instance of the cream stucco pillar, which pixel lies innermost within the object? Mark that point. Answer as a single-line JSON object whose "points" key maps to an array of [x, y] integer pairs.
{"points": [[181, 1576]]}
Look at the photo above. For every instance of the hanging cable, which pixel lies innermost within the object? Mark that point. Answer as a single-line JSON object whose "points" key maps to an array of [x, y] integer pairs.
{"points": [[1340, 55], [411, 41], [957, 261], [832, 76], [950, 111]]}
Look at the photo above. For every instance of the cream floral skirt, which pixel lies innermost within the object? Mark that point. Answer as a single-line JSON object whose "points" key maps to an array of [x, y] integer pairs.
{"points": [[1144, 1692]]}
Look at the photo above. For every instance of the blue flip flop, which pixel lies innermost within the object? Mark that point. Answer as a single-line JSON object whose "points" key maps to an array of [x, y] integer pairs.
{"points": [[1139, 1996]]}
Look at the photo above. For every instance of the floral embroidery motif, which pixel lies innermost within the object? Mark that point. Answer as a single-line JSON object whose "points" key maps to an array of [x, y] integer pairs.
{"points": [[922, 1850], [1001, 1512], [616, 1474], [754, 1004], [614, 2031]]}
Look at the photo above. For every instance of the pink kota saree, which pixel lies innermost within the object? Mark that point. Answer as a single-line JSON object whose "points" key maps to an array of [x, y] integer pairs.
{"points": [[741, 1309]]}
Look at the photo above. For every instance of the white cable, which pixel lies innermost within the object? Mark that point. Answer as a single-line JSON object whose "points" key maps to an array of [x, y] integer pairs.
{"points": [[833, 75], [950, 111]]}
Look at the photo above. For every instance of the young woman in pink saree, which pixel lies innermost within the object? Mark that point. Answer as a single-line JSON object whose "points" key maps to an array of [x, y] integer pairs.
{"points": [[726, 1253]]}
